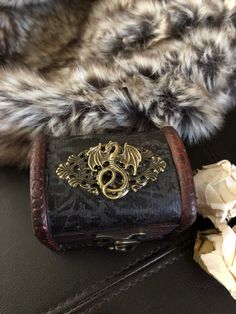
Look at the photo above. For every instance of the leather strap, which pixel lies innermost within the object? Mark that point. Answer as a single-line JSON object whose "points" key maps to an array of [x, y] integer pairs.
{"points": [[171, 250]]}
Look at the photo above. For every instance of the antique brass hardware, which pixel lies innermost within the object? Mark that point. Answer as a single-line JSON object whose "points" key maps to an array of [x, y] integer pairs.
{"points": [[124, 243], [111, 169]]}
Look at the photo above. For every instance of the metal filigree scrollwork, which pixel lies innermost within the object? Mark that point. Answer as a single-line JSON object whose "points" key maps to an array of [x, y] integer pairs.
{"points": [[111, 169]]}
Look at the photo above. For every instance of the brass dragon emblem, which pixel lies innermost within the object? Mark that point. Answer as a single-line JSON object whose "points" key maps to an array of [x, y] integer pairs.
{"points": [[111, 169]]}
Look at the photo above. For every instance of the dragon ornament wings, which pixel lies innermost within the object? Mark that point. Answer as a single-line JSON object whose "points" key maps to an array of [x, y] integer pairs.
{"points": [[111, 169]]}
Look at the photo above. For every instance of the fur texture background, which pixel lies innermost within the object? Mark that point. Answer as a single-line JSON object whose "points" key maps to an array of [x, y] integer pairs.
{"points": [[15, 3], [77, 66]]}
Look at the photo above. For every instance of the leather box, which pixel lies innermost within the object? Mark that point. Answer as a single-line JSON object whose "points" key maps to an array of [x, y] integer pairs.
{"points": [[67, 214]]}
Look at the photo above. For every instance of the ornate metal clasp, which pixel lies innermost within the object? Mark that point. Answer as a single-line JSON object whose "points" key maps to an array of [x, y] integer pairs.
{"points": [[111, 169], [123, 244]]}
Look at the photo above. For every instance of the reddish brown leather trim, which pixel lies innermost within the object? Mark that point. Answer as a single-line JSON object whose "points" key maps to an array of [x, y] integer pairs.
{"points": [[38, 195], [184, 171]]}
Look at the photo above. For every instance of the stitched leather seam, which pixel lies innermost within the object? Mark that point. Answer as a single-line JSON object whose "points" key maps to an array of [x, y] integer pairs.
{"points": [[65, 305], [114, 274], [130, 285], [103, 281]]}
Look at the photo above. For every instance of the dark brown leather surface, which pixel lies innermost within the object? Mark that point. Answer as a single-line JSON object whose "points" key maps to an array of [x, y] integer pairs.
{"points": [[72, 217], [188, 290], [34, 279], [78, 212]]}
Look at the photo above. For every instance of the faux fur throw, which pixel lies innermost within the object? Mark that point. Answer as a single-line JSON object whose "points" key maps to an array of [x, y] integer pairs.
{"points": [[77, 66]]}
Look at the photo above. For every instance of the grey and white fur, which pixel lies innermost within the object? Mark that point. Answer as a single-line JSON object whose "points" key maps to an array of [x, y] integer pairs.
{"points": [[76, 67]]}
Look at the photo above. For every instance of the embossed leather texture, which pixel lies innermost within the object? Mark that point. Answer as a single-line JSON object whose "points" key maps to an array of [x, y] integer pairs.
{"points": [[76, 217], [72, 209], [34, 279]]}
